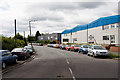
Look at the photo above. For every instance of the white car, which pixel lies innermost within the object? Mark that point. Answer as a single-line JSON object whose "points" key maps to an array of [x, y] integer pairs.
{"points": [[97, 50]]}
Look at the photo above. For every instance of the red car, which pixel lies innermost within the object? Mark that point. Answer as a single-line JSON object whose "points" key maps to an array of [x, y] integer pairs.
{"points": [[74, 47], [67, 47]]}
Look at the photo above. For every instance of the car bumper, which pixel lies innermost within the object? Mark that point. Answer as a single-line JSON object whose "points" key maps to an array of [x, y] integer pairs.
{"points": [[102, 54]]}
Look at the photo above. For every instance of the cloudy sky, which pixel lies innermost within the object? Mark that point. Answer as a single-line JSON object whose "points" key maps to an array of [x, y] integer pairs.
{"points": [[52, 16]]}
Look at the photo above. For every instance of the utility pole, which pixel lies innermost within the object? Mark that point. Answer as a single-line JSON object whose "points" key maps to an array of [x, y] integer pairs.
{"points": [[15, 27], [30, 27], [24, 34], [15, 31]]}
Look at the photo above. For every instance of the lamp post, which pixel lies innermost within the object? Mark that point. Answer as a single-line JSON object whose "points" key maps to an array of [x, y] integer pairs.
{"points": [[30, 29], [30, 25]]}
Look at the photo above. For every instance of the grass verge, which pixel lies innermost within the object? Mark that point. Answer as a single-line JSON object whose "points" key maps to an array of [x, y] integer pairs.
{"points": [[111, 55]]}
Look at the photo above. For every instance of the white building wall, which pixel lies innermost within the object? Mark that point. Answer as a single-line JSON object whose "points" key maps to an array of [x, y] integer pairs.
{"points": [[97, 33], [81, 36]]}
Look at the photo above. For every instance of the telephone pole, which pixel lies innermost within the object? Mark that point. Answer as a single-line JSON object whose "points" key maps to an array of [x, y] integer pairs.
{"points": [[15, 27], [24, 34]]}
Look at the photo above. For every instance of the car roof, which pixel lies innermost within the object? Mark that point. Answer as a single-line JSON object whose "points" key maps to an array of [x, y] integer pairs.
{"points": [[3, 50]]}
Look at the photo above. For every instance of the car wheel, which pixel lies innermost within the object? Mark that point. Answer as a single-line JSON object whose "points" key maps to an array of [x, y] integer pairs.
{"points": [[3, 65], [16, 60], [88, 54]]}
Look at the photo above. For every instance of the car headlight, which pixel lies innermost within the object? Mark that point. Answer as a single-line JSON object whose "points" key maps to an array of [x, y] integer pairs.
{"points": [[97, 52]]}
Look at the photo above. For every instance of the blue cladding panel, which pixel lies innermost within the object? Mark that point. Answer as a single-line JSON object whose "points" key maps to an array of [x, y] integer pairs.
{"points": [[99, 22]]}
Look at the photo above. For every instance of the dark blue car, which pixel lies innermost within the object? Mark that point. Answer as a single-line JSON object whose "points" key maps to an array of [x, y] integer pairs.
{"points": [[7, 58], [83, 49]]}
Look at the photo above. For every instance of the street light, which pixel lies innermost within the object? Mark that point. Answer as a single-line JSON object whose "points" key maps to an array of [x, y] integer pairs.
{"points": [[30, 25], [30, 28]]}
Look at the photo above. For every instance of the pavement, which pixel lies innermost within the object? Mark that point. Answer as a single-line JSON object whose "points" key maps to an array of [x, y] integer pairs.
{"points": [[56, 63]]}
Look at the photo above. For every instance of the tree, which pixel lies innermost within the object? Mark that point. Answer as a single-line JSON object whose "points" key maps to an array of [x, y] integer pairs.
{"points": [[31, 38], [36, 35], [18, 36]]}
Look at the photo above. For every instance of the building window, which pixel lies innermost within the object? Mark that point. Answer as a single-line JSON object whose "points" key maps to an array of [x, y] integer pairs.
{"points": [[105, 27], [106, 37], [112, 26], [112, 38], [65, 40], [74, 39], [118, 25]]}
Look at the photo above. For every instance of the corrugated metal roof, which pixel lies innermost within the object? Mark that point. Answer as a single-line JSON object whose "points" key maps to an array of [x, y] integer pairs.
{"points": [[99, 22]]}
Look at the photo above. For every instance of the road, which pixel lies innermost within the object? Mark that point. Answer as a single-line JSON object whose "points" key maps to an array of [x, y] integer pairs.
{"points": [[56, 63]]}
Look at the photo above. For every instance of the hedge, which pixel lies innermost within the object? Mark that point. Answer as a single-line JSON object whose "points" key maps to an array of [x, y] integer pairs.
{"points": [[11, 43]]}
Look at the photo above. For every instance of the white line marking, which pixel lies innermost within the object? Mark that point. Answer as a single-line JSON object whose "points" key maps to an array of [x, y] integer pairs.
{"points": [[72, 74], [67, 61]]}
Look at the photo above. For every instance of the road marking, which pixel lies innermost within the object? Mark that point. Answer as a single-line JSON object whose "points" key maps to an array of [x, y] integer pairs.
{"points": [[72, 74], [68, 64], [67, 61]]}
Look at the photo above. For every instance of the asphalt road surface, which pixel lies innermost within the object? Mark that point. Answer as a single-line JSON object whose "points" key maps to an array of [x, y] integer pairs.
{"points": [[56, 63]]}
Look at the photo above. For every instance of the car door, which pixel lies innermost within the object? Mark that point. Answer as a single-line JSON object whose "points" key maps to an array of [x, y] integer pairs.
{"points": [[6, 57], [10, 57]]}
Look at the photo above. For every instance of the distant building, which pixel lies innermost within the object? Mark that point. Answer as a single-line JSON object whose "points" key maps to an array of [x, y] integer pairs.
{"points": [[105, 30], [54, 37]]}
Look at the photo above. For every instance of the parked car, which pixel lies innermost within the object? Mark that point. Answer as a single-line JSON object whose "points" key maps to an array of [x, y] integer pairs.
{"points": [[7, 58], [62, 46], [97, 50], [72, 47], [30, 49], [67, 47], [83, 49], [21, 53], [76, 47], [57, 45], [40, 44]]}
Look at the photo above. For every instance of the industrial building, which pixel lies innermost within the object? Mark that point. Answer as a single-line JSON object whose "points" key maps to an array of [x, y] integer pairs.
{"points": [[54, 37], [105, 30]]}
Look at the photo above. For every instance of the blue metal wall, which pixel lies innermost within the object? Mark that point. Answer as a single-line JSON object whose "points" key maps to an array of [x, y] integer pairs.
{"points": [[99, 22]]}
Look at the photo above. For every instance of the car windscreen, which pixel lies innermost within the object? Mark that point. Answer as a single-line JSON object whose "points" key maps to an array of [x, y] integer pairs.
{"points": [[99, 47], [85, 46], [77, 45]]}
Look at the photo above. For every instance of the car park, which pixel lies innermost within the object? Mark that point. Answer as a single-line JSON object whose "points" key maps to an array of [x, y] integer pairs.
{"points": [[30, 49], [7, 58], [83, 49], [67, 47], [21, 53], [97, 50]]}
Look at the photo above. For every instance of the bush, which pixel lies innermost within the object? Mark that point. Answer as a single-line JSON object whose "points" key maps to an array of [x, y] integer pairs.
{"points": [[10, 43]]}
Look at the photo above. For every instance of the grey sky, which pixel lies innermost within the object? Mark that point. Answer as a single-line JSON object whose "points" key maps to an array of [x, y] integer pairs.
{"points": [[52, 16]]}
